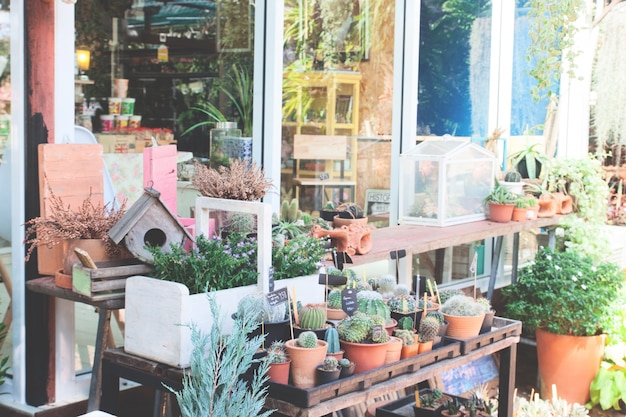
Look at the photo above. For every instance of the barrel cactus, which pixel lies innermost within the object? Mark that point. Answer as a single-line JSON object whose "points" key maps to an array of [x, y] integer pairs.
{"points": [[331, 336], [372, 303], [307, 340], [438, 315], [405, 323], [429, 329], [276, 353], [330, 364], [312, 316], [406, 336], [402, 302], [356, 328], [512, 176], [334, 299]]}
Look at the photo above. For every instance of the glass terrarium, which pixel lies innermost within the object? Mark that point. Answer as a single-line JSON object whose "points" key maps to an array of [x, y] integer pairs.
{"points": [[444, 182]]}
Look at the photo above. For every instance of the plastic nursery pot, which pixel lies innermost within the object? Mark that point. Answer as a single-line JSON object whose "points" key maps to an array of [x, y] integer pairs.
{"points": [[500, 213], [366, 356], [279, 372]]}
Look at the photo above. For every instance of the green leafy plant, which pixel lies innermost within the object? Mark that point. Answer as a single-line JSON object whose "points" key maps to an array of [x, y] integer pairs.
{"points": [[525, 201], [500, 195], [564, 293], [532, 157], [213, 386], [608, 389], [302, 255]]}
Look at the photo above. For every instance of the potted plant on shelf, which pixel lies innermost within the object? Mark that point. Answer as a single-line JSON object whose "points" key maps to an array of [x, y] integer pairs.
{"points": [[347, 367], [443, 326], [428, 330], [464, 316], [394, 349], [429, 401], [528, 161], [402, 304], [85, 227], [513, 182], [371, 303], [312, 317], [489, 314], [328, 371], [331, 337], [335, 309], [364, 340], [349, 213], [279, 363], [451, 408], [409, 347], [500, 203], [526, 208], [306, 353], [272, 320], [565, 297]]}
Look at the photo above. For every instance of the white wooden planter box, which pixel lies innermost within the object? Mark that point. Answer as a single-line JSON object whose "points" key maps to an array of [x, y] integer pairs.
{"points": [[157, 313]]}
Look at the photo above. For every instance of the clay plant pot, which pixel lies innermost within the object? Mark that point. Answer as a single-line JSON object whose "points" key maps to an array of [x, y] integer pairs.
{"points": [[96, 248], [324, 377], [464, 327], [338, 221], [569, 362], [519, 214], [500, 213], [394, 350], [366, 356], [335, 314], [409, 351], [63, 280], [337, 355], [424, 347], [547, 206], [391, 326], [304, 362], [564, 203], [279, 372]]}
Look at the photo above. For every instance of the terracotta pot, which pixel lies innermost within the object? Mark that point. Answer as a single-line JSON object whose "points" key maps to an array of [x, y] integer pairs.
{"points": [[409, 351], [338, 221], [569, 362], [547, 206], [394, 350], [519, 214], [96, 248], [500, 213], [391, 326], [338, 355], [464, 327], [564, 203], [424, 347], [279, 372], [63, 280], [304, 362], [335, 314], [324, 377], [366, 356]]}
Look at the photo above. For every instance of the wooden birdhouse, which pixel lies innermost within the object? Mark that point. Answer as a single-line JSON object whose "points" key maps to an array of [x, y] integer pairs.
{"points": [[149, 222]]}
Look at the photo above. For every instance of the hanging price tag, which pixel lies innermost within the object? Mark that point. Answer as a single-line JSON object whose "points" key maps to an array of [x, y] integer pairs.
{"points": [[162, 53]]}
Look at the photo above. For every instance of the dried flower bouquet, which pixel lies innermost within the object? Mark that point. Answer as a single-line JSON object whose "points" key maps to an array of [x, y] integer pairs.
{"points": [[241, 181]]}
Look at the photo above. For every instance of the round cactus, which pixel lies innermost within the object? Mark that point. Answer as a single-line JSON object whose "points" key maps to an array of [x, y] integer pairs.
{"points": [[387, 284], [331, 336], [438, 315], [462, 305], [402, 289], [312, 316], [276, 352], [405, 323], [371, 303], [402, 303], [334, 299], [485, 303], [330, 364], [344, 362], [406, 336], [355, 329], [429, 329], [307, 340], [362, 286], [512, 176]]}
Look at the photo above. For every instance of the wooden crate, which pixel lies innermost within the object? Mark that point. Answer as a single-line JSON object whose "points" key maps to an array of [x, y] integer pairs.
{"points": [[108, 280]]}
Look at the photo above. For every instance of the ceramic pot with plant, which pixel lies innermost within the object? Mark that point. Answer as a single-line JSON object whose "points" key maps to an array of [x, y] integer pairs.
{"points": [[409, 347], [364, 340], [328, 371], [394, 350], [529, 161], [430, 402], [500, 203], [371, 303], [279, 363], [443, 326], [526, 208], [566, 297], [464, 316], [306, 353], [512, 181], [349, 213], [347, 367], [331, 336], [335, 308], [428, 330], [402, 304]]}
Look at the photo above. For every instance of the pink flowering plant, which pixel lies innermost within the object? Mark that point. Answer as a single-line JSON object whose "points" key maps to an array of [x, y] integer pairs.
{"points": [[564, 293]]}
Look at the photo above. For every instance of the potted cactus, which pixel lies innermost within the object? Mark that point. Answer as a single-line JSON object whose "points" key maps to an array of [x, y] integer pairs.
{"points": [[464, 315], [513, 182], [335, 310], [306, 353], [409, 347], [279, 363], [312, 317], [402, 304], [428, 331], [371, 303], [328, 371], [331, 336], [443, 326], [364, 340], [387, 285], [347, 367]]}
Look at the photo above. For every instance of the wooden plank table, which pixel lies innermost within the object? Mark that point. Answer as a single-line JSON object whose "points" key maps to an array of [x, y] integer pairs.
{"points": [[47, 286], [421, 239]]}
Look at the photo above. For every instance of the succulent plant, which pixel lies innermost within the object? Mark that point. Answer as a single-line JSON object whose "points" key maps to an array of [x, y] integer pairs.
{"points": [[356, 328], [330, 364], [446, 294], [331, 336], [276, 353], [344, 362], [462, 305], [362, 286], [289, 211], [312, 316], [386, 284], [429, 304], [334, 299], [405, 323], [485, 303], [429, 329], [405, 335], [402, 303], [371, 303], [438, 315], [307, 340], [263, 312], [512, 176]]}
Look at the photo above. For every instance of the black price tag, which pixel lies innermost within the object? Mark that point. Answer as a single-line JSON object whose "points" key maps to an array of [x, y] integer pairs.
{"points": [[325, 279], [340, 259], [348, 301], [397, 254], [277, 297]]}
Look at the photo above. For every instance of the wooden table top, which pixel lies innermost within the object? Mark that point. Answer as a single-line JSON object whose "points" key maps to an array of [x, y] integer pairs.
{"points": [[46, 285]]}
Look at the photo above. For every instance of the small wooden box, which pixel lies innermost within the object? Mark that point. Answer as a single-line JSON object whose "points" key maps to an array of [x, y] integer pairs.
{"points": [[108, 281]]}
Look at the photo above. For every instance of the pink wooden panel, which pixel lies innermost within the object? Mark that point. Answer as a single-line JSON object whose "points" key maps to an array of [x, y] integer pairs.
{"points": [[159, 172]]}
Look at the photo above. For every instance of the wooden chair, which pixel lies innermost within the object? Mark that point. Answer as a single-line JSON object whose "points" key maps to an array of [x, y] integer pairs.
{"points": [[329, 149]]}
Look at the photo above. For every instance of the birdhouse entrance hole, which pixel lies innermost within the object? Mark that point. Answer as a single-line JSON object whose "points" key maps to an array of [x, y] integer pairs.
{"points": [[155, 238]]}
